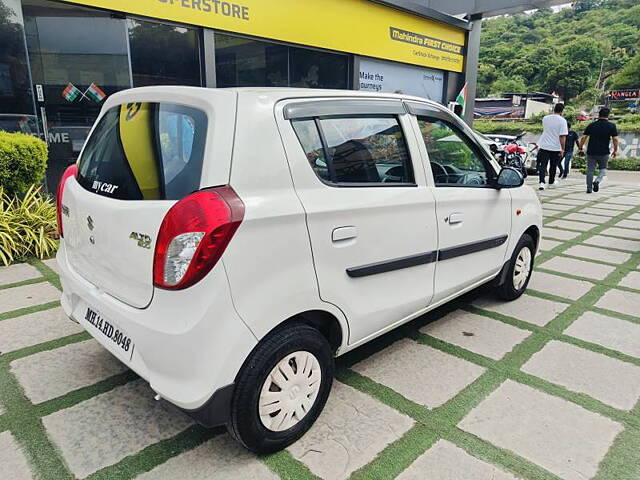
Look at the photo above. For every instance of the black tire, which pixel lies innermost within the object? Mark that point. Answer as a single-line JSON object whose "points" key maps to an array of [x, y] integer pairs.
{"points": [[507, 290], [245, 424]]}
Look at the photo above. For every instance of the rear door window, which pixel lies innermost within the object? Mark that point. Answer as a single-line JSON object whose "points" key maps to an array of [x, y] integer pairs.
{"points": [[145, 151], [363, 150]]}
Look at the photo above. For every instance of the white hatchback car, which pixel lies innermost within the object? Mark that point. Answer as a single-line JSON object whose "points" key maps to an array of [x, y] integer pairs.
{"points": [[227, 244]]}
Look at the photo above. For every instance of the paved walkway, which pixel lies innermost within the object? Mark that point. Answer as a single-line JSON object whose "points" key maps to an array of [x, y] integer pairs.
{"points": [[546, 387]]}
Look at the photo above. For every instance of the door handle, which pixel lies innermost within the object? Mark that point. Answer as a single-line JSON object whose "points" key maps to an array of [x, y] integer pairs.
{"points": [[455, 218], [344, 233]]}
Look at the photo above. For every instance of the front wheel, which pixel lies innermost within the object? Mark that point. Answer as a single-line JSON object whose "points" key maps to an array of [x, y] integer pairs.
{"points": [[519, 270], [281, 389]]}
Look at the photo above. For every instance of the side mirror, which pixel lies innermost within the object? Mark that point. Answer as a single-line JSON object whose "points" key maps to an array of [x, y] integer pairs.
{"points": [[509, 177]]}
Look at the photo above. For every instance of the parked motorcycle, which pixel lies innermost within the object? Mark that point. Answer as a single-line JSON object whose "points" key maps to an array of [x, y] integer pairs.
{"points": [[513, 154]]}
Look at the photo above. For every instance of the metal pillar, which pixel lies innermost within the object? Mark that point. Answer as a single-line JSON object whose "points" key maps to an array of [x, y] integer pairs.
{"points": [[471, 67]]}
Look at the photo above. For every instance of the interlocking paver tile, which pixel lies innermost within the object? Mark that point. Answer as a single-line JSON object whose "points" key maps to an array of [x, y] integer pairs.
{"points": [[588, 197], [27, 296], [568, 200], [52, 373], [18, 273], [580, 268], [622, 232], [595, 253], [625, 200], [350, 432], [218, 459], [584, 217], [445, 461], [558, 435], [629, 224], [52, 263], [605, 212], [560, 286], [552, 207], [581, 226], [631, 280], [12, 460], [34, 328], [476, 333], [621, 301], [558, 206], [558, 234], [420, 373], [612, 206], [546, 244], [527, 308], [612, 242], [607, 379], [607, 331], [109, 427]]}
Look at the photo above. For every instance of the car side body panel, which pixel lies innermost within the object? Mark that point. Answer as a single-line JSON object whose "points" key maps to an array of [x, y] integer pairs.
{"points": [[269, 262]]}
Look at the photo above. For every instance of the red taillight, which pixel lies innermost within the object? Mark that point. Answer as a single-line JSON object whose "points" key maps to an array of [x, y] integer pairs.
{"points": [[71, 171], [193, 236]]}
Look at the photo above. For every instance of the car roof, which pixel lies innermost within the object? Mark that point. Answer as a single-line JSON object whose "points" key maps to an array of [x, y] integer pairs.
{"points": [[273, 94]]}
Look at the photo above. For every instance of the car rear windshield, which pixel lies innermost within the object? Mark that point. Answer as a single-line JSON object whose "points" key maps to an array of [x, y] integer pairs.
{"points": [[145, 151]]}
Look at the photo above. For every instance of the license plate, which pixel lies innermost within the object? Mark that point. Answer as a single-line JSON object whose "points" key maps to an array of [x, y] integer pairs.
{"points": [[110, 331]]}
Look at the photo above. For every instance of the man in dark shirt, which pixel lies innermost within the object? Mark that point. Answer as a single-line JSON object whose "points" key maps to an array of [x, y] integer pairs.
{"points": [[570, 143], [599, 134]]}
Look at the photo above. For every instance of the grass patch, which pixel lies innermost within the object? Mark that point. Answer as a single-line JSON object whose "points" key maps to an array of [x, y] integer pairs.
{"points": [[622, 461]]}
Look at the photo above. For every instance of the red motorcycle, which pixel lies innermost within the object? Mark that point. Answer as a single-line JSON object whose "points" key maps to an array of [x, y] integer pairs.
{"points": [[513, 154]]}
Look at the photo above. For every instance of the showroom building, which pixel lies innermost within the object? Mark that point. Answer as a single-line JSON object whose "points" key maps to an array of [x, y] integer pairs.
{"points": [[59, 60]]}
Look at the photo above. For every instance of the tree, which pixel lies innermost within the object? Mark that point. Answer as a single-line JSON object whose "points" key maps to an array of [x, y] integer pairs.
{"points": [[560, 51], [504, 84], [629, 76], [487, 74], [585, 50], [568, 78], [588, 98]]}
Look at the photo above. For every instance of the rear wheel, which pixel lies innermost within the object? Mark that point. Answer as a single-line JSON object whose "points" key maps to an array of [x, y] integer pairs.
{"points": [[519, 270], [281, 389]]}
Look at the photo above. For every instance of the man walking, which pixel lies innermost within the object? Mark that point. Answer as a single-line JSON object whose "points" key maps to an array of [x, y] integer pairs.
{"points": [[599, 134], [570, 143], [551, 143]]}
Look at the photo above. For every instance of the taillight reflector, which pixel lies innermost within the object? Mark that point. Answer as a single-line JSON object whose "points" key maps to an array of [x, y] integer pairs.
{"points": [[71, 171], [193, 236]]}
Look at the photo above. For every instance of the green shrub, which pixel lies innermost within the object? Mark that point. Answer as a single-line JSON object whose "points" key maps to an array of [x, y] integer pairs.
{"points": [[506, 127], [23, 160], [629, 123], [629, 164], [28, 226]]}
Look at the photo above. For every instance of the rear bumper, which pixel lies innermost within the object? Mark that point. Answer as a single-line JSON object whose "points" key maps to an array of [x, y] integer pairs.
{"points": [[216, 411], [189, 344]]}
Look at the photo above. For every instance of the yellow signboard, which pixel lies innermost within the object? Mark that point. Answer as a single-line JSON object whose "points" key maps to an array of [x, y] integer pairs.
{"points": [[356, 26]]}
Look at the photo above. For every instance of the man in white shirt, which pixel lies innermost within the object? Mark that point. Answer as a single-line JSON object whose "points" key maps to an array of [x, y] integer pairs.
{"points": [[551, 143]]}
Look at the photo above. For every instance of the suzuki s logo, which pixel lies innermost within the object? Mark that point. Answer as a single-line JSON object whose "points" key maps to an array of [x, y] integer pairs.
{"points": [[90, 223]]}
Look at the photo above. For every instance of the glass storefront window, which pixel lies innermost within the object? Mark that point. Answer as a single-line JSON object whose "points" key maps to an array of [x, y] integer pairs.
{"points": [[164, 54], [314, 69], [16, 102], [243, 62], [79, 56]]}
